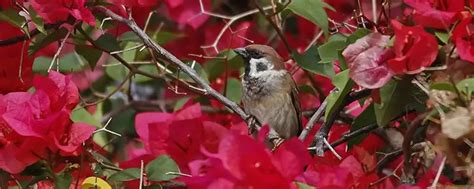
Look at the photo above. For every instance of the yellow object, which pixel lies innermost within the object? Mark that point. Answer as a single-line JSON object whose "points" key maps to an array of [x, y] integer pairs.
{"points": [[95, 183]]}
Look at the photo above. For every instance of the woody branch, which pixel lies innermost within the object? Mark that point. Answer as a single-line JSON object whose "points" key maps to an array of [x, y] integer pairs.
{"points": [[172, 59]]}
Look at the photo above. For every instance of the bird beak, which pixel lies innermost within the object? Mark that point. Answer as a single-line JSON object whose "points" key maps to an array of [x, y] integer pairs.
{"points": [[242, 52]]}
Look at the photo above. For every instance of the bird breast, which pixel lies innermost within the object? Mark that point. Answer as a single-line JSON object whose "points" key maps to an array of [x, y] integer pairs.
{"points": [[270, 102]]}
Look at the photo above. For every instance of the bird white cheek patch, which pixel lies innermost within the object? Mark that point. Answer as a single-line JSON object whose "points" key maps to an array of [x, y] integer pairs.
{"points": [[253, 67]]}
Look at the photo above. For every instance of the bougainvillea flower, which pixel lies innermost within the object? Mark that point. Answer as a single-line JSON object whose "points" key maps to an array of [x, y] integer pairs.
{"points": [[414, 49], [15, 74], [243, 162], [33, 123], [180, 135], [188, 12], [463, 37], [54, 11], [367, 61], [435, 13], [135, 3]]}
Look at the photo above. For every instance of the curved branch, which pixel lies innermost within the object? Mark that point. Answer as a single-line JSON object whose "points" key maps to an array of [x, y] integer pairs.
{"points": [[171, 58], [20, 38]]}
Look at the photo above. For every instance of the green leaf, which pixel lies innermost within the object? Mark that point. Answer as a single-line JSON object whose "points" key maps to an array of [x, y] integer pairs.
{"points": [[442, 36], [234, 90], [301, 185], [330, 50], [359, 33], [466, 86], [344, 86], [116, 71], [108, 42], [313, 10], [310, 61], [396, 97], [68, 63], [129, 37], [180, 103], [145, 68], [160, 169], [443, 87], [81, 115], [130, 55], [366, 118], [44, 40], [157, 186], [125, 175], [12, 16], [216, 67], [63, 181], [198, 68], [164, 37], [37, 20], [91, 54]]}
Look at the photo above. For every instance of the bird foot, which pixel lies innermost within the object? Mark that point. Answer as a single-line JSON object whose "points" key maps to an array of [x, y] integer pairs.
{"points": [[276, 143], [252, 123]]}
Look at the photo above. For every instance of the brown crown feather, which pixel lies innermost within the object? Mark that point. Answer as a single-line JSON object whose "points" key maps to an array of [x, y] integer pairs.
{"points": [[269, 53]]}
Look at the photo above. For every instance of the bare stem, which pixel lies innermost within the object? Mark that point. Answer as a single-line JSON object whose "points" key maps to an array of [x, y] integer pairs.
{"points": [[171, 58]]}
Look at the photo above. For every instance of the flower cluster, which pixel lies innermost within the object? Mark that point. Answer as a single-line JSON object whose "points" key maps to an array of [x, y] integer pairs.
{"points": [[414, 49], [36, 125]]}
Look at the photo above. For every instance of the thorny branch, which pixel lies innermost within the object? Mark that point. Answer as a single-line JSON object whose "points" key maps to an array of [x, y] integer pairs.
{"points": [[408, 171], [231, 20], [171, 58], [29, 35], [134, 70], [318, 142], [316, 116]]}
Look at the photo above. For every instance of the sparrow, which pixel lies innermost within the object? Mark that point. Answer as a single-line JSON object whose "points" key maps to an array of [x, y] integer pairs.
{"points": [[269, 93]]}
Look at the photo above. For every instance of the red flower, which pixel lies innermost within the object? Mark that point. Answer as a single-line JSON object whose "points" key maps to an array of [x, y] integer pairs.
{"points": [[38, 123], [188, 13], [15, 75], [242, 162], [366, 59], [5, 4], [180, 135], [135, 3], [53, 11], [414, 49], [464, 38], [435, 13]]}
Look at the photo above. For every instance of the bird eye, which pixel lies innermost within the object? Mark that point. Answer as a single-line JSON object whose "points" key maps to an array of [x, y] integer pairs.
{"points": [[261, 67]]}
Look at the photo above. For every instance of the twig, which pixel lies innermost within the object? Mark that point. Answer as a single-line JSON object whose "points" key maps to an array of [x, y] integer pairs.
{"points": [[134, 70], [438, 174], [141, 174], [171, 58], [20, 38], [22, 57], [393, 173], [127, 78], [106, 130], [316, 116], [318, 141], [231, 20], [406, 147], [314, 40], [332, 149], [274, 25], [60, 48], [374, 11], [353, 134], [387, 158]]}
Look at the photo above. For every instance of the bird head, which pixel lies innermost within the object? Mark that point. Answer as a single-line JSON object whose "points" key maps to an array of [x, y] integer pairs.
{"points": [[260, 60]]}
